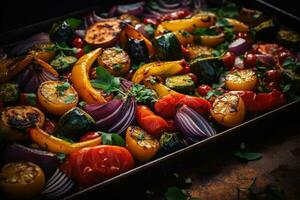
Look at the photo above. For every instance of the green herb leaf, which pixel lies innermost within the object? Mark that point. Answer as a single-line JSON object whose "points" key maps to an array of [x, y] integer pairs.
{"points": [[87, 48], [216, 85], [174, 193], [205, 31], [136, 66], [61, 157], [31, 99], [82, 103], [149, 28], [73, 22], [247, 156], [62, 88], [69, 99], [112, 139], [286, 88], [143, 94], [212, 93], [105, 81]]}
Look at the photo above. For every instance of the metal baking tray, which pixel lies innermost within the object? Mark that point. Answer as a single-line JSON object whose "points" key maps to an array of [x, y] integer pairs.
{"points": [[10, 38]]}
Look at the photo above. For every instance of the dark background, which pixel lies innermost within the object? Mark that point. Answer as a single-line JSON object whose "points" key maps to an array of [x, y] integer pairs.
{"points": [[15, 14]]}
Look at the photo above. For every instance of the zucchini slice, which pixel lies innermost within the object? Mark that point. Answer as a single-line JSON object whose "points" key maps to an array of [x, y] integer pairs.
{"points": [[181, 83], [63, 63]]}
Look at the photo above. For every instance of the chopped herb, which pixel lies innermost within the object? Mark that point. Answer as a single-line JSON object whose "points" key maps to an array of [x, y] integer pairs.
{"points": [[118, 50], [117, 67], [185, 33], [82, 103], [73, 22], [105, 81], [150, 30], [65, 138], [31, 99], [61, 48], [291, 64], [87, 48], [62, 88], [205, 31], [136, 66], [143, 94], [212, 93], [220, 85], [237, 75], [286, 88], [70, 99], [112, 139], [141, 136], [222, 22], [61, 157]]}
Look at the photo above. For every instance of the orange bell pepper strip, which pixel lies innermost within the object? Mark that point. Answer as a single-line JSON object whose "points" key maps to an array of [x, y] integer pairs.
{"points": [[57, 145], [81, 81], [212, 40], [9, 67], [130, 32], [46, 66], [238, 26], [162, 69]]}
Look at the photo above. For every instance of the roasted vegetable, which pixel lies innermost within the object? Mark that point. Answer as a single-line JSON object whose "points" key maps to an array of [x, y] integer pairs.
{"points": [[9, 67], [266, 31], [170, 142], [115, 60], [57, 145], [81, 81], [22, 180], [160, 89], [241, 80], [15, 120], [238, 26], [190, 24], [163, 69], [288, 38], [103, 162], [141, 145], [228, 109], [57, 97], [138, 50], [74, 123], [104, 33], [43, 51], [199, 51], [181, 83], [251, 17], [63, 63], [167, 47], [61, 32], [9, 92], [152, 123], [206, 69], [184, 37]]}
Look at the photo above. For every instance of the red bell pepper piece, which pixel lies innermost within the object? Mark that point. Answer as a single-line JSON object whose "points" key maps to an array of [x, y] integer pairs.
{"points": [[150, 122], [262, 102], [176, 15], [167, 106]]}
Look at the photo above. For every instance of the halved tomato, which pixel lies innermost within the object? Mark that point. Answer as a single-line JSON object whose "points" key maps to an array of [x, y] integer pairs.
{"points": [[241, 80]]}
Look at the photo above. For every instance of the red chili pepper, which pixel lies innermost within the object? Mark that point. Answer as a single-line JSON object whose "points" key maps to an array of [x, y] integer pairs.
{"points": [[152, 123], [89, 136], [262, 102], [167, 106], [49, 126], [176, 15]]}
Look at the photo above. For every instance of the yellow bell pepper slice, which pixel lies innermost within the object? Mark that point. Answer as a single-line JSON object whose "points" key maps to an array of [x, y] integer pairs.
{"points": [[212, 40], [190, 24], [163, 69], [81, 81], [238, 26], [57, 145]]}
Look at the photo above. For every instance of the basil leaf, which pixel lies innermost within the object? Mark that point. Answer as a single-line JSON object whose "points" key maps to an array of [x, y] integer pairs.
{"points": [[247, 156], [105, 81], [87, 48], [73, 22], [31, 99]]}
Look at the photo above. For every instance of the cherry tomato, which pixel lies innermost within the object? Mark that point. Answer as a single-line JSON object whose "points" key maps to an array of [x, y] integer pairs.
{"points": [[228, 109], [203, 90], [49, 126], [176, 15], [142, 145], [78, 42], [273, 76], [102, 162], [185, 51], [245, 35], [90, 135], [79, 53], [22, 180], [273, 86], [130, 74], [250, 60], [186, 69], [150, 21], [152, 123], [193, 77], [228, 59]]}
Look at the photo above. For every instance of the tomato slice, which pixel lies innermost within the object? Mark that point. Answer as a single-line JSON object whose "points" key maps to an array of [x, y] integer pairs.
{"points": [[22, 180]]}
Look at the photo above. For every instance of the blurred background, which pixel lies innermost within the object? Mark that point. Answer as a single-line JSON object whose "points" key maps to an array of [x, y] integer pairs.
{"points": [[14, 14]]}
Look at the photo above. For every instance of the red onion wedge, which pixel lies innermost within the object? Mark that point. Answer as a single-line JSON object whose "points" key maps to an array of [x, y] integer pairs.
{"points": [[193, 125], [238, 46], [17, 152], [57, 186], [98, 111]]}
